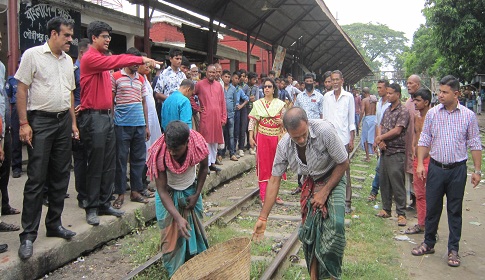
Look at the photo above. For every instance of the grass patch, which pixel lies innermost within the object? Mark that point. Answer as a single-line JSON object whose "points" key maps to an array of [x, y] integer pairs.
{"points": [[371, 252]]}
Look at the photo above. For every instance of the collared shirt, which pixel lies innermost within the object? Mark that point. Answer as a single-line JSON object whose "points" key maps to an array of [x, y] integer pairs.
{"points": [[448, 134], [11, 89], [77, 79], [50, 79], [96, 79], [341, 113], [176, 107], [241, 96], [313, 104], [251, 91], [324, 151], [292, 90], [128, 93], [392, 118], [380, 109], [169, 81], [283, 95], [231, 98]]}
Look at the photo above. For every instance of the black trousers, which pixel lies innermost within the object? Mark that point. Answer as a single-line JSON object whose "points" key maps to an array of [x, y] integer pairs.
{"points": [[51, 155], [5, 168], [440, 182], [99, 141], [16, 144], [80, 165]]}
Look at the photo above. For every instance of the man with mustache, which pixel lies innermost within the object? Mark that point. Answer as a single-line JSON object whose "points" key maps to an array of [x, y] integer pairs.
{"points": [[47, 121]]}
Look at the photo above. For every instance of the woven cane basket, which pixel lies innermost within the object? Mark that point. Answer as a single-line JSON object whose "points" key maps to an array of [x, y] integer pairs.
{"points": [[230, 260]]}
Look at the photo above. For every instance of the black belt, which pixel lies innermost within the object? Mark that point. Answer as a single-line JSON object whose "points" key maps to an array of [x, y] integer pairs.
{"points": [[447, 166], [94, 111], [57, 115]]}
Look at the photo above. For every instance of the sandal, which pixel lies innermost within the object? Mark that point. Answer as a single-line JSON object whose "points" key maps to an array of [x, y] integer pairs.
{"points": [[383, 214], [9, 210], [118, 203], [414, 230], [147, 194], [422, 249], [4, 227], [139, 199], [371, 197], [279, 201], [453, 259], [151, 189]]}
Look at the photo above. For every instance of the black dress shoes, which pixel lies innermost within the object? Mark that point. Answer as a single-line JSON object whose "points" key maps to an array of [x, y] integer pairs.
{"points": [[110, 211], [214, 168], [26, 249], [61, 232], [92, 217], [3, 248]]}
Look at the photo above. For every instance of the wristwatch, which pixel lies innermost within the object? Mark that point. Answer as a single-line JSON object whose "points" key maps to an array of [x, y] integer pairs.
{"points": [[479, 172]]}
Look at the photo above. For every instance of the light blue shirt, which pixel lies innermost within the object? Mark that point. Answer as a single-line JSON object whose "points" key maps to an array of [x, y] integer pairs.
{"points": [[176, 107], [231, 98], [311, 104]]}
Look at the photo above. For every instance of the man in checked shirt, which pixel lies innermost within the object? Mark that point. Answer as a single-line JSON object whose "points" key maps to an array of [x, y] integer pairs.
{"points": [[449, 128]]}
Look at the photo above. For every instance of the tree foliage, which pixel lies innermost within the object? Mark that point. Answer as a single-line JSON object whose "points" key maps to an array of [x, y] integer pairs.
{"points": [[379, 44], [451, 42], [424, 57]]}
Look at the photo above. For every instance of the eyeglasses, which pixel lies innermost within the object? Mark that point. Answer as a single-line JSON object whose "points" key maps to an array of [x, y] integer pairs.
{"points": [[106, 37], [268, 86]]}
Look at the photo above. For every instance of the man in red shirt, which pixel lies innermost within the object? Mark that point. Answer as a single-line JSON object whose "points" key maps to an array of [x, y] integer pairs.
{"points": [[96, 120]]}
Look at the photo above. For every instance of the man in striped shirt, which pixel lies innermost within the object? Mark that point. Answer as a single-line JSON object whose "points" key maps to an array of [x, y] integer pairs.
{"points": [[449, 128], [130, 118]]}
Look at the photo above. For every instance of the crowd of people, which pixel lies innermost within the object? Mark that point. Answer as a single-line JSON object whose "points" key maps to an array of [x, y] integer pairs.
{"points": [[181, 126]]}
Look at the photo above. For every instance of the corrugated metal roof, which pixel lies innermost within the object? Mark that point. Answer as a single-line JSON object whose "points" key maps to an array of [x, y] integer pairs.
{"points": [[322, 44]]}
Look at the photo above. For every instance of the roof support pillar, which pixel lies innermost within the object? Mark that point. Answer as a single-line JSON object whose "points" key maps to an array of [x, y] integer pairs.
{"points": [[13, 37], [146, 29], [248, 51], [210, 53]]}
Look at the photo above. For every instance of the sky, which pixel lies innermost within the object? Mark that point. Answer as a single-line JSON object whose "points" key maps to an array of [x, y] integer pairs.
{"points": [[399, 15]]}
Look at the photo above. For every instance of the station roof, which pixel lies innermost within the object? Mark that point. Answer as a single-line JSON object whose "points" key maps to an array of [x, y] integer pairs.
{"points": [[306, 28]]}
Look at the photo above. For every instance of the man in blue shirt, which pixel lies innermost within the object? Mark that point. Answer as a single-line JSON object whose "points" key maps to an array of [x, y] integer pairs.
{"points": [[310, 101], [230, 95], [78, 152], [242, 101], [11, 90], [177, 105], [5, 157], [252, 91]]}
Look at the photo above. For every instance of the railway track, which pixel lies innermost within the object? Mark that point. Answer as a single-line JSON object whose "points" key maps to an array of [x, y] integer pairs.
{"points": [[246, 207]]}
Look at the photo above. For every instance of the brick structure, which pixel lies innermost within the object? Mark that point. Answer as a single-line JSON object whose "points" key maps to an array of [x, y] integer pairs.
{"points": [[171, 33]]}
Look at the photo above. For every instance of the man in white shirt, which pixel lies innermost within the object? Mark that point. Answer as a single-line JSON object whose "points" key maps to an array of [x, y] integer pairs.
{"points": [[45, 105], [339, 109]]}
